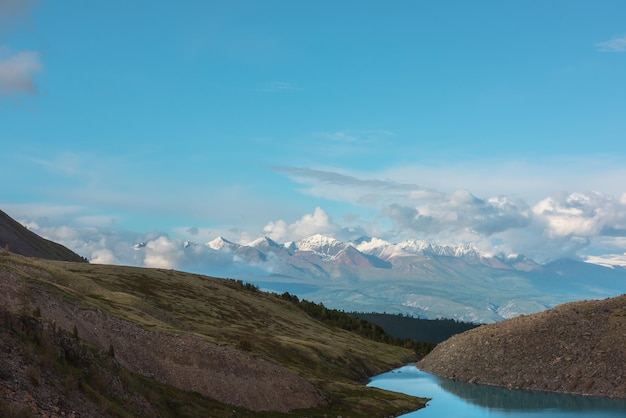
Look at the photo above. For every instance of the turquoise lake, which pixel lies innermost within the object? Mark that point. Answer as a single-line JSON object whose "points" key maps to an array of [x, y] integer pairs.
{"points": [[452, 399]]}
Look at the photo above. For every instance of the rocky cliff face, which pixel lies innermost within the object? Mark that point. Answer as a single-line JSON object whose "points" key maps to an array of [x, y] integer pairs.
{"points": [[575, 348]]}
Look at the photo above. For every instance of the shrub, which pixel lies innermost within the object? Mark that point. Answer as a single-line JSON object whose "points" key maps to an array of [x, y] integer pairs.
{"points": [[10, 409], [245, 345]]}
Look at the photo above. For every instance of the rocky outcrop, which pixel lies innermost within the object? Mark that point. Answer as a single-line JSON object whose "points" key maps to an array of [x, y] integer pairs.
{"points": [[577, 348]]}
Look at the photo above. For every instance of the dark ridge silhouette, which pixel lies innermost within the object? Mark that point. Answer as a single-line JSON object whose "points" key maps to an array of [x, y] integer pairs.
{"points": [[416, 329], [17, 239]]}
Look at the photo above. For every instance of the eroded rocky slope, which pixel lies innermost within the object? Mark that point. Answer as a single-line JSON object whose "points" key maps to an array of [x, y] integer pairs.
{"points": [[219, 343], [578, 348]]}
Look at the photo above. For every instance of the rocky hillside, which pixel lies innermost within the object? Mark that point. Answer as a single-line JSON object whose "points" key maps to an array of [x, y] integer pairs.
{"points": [[577, 347], [174, 344], [19, 240]]}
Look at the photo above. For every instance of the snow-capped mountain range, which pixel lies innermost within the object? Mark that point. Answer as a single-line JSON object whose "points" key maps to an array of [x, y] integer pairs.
{"points": [[329, 248], [412, 277]]}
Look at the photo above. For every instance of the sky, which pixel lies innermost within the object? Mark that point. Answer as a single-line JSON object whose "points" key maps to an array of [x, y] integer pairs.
{"points": [[499, 124]]}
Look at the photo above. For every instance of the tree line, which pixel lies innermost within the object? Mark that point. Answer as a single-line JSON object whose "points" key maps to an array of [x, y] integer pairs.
{"points": [[340, 319]]}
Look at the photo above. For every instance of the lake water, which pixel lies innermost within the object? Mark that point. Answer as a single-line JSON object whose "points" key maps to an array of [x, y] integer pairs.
{"points": [[452, 399]]}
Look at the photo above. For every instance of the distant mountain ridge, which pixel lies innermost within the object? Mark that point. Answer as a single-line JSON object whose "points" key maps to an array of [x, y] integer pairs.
{"points": [[330, 248], [413, 277], [16, 238], [416, 278]]}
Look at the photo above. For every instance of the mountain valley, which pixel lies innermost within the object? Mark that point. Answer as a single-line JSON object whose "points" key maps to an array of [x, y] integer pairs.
{"points": [[413, 277]]}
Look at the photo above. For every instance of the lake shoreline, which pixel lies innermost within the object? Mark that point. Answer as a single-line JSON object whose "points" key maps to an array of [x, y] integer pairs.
{"points": [[576, 348], [454, 398]]}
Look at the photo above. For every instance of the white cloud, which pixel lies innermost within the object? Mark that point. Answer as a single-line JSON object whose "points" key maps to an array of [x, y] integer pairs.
{"points": [[17, 72], [611, 244], [277, 231], [459, 216], [350, 188], [163, 253], [17, 69], [608, 260], [110, 246], [558, 226], [531, 181], [319, 222], [617, 43], [423, 195], [526, 180], [58, 218], [582, 214], [103, 256], [562, 224], [555, 225], [197, 234]]}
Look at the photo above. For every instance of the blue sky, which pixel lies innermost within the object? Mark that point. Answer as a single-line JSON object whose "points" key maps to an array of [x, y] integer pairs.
{"points": [[498, 123]]}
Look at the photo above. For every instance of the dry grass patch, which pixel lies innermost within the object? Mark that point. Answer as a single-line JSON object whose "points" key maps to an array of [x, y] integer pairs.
{"points": [[262, 326]]}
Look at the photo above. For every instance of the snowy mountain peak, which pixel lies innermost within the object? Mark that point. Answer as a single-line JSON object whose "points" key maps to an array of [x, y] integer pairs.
{"points": [[321, 244], [466, 251], [423, 247], [372, 243], [328, 247], [219, 243], [379, 248], [263, 242], [414, 246]]}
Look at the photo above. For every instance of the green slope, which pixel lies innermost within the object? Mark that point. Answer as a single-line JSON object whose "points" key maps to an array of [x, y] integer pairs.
{"points": [[178, 306]]}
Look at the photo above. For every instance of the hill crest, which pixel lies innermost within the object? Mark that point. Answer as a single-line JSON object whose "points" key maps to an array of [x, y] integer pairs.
{"points": [[577, 347], [16, 238]]}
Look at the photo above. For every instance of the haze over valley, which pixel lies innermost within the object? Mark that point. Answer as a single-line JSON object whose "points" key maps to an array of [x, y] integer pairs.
{"points": [[414, 278]]}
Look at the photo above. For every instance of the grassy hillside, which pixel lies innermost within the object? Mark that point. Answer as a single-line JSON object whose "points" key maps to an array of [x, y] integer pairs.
{"points": [[224, 340]]}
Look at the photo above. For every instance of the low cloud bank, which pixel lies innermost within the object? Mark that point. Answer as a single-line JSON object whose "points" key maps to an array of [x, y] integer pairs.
{"points": [[562, 225]]}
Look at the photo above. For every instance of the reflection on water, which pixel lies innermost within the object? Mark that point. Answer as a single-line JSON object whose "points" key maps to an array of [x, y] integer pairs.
{"points": [[524, 400], [451, 398]]}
